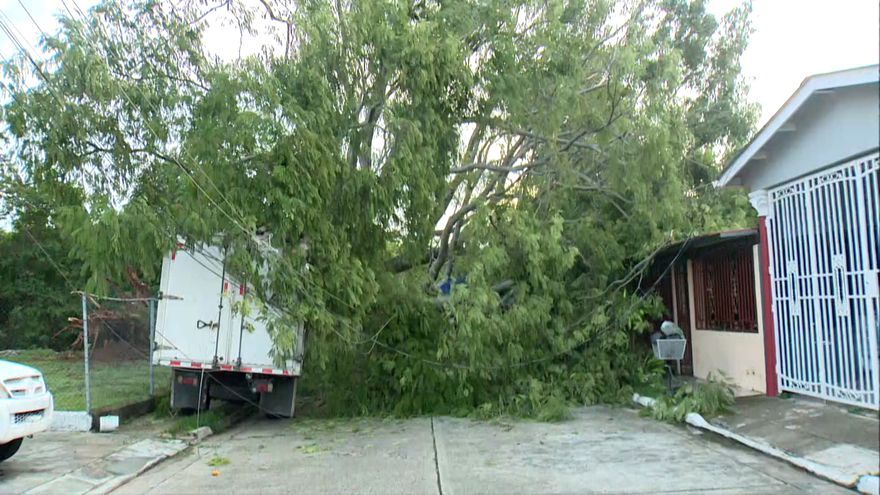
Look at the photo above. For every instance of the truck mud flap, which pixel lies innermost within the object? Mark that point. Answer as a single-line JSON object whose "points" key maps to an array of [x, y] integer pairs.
{"points": [[280, 401], [186, 388]]}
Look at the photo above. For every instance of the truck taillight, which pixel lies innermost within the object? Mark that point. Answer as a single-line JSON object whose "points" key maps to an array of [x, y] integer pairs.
{"points": [[263, 386], [187, 380]]}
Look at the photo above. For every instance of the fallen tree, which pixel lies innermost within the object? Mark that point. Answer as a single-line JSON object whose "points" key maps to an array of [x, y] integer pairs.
{"points": [[532, 155]]}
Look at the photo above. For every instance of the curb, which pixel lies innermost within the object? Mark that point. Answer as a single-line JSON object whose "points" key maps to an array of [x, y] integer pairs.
{"points": [[117, 481], [90, 421], [866, 483], [195, 437], [125, 412], [71, 421]]}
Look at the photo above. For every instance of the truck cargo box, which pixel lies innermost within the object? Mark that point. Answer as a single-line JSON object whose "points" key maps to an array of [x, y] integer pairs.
{"points": [[214, 349]]}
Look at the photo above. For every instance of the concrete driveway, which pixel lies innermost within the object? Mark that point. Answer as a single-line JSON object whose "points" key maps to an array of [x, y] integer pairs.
{"points": [[49, 456], [73, 463], [601, 450]]}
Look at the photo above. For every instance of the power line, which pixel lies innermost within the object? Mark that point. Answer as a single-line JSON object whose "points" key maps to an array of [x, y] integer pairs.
{"points": [[12, 36], [153, 106], [30, 16], [7, 27], [146, 121], [48, 256], [187, 172]]}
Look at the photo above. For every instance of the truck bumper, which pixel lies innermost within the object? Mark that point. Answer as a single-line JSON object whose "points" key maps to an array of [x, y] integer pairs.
{"points": [[22, 417]]}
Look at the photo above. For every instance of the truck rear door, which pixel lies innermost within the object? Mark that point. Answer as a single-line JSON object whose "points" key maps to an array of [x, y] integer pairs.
{"points": [[189, 320]]}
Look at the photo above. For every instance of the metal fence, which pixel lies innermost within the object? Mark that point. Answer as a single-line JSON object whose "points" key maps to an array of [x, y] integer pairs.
{"points": [[118, 361], [104, 361]]}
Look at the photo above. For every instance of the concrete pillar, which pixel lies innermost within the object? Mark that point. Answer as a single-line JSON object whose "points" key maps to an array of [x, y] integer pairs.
{"points": [[761, 203]]}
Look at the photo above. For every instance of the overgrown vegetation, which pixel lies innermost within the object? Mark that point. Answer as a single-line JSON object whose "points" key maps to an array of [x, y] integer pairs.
{"points": [[708, 399], [35, 298], [531, 155]]}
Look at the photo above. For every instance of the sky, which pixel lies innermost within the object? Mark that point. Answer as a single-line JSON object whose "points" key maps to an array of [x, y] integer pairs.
{"points": [[793, 39]]}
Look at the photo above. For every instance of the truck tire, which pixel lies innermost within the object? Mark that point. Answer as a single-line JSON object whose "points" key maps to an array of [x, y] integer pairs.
{"points": [[9, 449]]}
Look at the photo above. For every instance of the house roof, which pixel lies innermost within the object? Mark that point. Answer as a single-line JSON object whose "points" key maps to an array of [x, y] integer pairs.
{"points": [[810, 87], [705, 241]]}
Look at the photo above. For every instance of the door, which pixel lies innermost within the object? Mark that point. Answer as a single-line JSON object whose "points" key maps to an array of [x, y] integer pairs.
{"points": [[824, 248], [187, 319]]}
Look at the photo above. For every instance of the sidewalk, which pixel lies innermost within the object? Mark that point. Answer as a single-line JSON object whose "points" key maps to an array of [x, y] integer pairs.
{"points": [[843, 439]]}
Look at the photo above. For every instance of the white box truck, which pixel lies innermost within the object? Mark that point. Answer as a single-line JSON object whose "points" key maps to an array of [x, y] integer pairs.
{"points": [[213, 349]]}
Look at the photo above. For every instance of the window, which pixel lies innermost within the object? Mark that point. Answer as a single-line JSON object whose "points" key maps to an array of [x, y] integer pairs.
{"points": [[724, 291]]}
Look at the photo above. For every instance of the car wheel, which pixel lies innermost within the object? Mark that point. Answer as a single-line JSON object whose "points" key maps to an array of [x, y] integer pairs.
{"points": [[9, 449]]}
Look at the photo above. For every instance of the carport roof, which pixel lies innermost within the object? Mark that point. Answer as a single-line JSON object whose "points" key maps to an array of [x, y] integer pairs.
{"points": [[714, 239]]}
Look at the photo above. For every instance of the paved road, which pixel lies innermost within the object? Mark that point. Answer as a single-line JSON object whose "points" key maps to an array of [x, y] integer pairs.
{"points": [[601, 450]]}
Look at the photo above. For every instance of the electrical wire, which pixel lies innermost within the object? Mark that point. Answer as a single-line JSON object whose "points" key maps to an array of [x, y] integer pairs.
{"points": [[147, 125], [155, 109], [185, 170]]}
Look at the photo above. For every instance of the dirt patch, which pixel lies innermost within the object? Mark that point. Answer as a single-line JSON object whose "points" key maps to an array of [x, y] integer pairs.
{"points": [[110, 351]]}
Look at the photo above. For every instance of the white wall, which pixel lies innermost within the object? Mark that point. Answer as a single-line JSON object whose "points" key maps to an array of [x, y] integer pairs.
{"points": [[739, 355], [828, 128]]}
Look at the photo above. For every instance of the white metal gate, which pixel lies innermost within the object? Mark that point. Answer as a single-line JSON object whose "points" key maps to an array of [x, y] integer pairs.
{"points": [[824, 231]]}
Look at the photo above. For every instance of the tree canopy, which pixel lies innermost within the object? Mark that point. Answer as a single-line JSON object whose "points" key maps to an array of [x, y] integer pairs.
{"points": [[531, 154]]}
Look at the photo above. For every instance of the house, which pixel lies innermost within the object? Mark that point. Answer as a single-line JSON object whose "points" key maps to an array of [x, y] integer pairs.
{"points": [[813, 175], [710, 286]]}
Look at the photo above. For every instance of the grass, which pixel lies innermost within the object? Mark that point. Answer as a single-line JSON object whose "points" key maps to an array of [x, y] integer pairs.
{"points": [[218, 461], [214, 419], [112, 384]]}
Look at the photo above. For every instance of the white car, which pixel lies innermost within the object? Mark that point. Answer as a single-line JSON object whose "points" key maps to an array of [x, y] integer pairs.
{"points": [[26, 406]]}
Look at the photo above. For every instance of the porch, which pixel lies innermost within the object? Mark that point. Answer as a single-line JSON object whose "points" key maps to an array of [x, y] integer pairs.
{"points": [[710, 288]]}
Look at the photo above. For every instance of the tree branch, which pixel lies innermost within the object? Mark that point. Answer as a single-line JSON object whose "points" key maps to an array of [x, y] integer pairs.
{"points": [[443, 253], [484, 166]]}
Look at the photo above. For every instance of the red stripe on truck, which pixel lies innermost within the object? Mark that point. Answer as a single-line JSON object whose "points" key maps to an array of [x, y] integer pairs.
{"points": [[268, 371]]}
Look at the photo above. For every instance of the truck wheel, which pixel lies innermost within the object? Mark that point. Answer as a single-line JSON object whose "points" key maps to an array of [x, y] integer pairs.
{"points": [[9, 449]]}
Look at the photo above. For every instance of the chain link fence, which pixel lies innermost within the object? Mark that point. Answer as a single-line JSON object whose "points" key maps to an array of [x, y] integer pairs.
{"points": [[120, 333], [63, 371], [47, 334], [99, 358]]}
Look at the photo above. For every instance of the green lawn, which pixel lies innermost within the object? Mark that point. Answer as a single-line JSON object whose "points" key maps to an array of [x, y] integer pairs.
{"points": [[112, 384]]}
